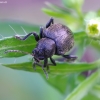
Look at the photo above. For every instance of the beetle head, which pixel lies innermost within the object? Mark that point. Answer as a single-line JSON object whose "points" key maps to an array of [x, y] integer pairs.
{"points": [[38, 54]]}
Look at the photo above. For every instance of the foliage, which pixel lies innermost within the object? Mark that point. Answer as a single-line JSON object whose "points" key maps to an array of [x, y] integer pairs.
{"points": [[67, 78]]}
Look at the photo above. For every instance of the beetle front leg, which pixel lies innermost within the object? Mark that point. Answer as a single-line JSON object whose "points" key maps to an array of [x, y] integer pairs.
{"points": [[70, 57], [25, 37], [36, 63], [45, 65], [34, 66], [51, 21]]}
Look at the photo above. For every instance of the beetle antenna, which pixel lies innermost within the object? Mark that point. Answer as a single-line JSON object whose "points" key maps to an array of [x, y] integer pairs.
{"points": [[7, 51]]}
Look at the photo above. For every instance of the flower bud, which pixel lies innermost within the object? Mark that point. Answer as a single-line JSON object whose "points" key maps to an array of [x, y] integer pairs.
{"points": [[93, 28]]}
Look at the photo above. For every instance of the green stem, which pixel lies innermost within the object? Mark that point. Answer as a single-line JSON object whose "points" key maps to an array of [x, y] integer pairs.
{"points": [[84, 87]]}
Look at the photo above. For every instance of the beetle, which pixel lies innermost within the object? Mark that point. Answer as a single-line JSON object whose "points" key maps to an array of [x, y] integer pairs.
{"points": [[53, 39]]}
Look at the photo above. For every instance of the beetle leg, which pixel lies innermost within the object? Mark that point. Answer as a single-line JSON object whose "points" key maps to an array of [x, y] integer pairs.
{"points": [[53, 61], [45, 65], [25, 37], [70, 57], [35, 63], [48, 68], [41, 32], [45, 62], [34, 66], [49, 22]]}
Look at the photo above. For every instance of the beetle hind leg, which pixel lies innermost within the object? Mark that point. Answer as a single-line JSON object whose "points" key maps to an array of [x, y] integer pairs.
{"points": [[70, 58]]}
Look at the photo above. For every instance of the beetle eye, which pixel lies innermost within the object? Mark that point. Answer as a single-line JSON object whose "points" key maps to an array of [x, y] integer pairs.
{"points": [[33, 51]]}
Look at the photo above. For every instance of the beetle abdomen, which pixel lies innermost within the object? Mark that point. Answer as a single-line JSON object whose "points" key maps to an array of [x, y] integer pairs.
{"points": [[62, 36]]}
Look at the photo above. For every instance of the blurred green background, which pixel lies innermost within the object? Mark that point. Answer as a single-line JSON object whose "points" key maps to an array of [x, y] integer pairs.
{"points": [[22, 85]]}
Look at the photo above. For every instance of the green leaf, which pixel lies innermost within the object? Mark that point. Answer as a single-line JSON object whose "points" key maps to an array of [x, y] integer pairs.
{"points": [[94, 43], [20, 85], [67, 18], [65, 83], [60, 82], [98, 13], [60, 69], [90, 15], [78, 36], [81, 43], [90, 96], [81, 36], [11, 43], [97, 87], [57, 8], [84, 87], [53, 13], [96, 91], [14, 44], [60, 14], [75, 4], [59, 72]]}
